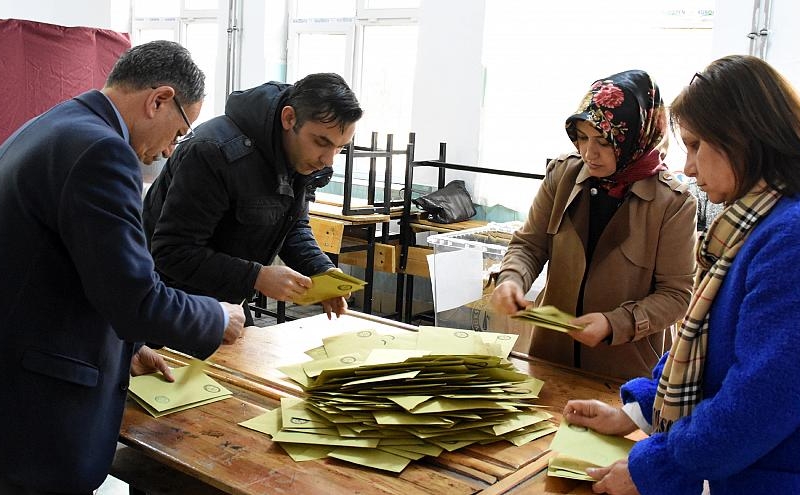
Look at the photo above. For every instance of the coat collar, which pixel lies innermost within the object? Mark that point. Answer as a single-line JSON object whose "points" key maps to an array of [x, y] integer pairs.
{"points": [[644, 189], [99, 103]]}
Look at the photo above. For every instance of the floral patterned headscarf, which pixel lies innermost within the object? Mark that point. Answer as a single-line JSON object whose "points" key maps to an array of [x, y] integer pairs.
{"points": [[626, 108]]}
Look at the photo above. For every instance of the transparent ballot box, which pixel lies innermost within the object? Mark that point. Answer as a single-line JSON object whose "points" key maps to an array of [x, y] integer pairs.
{"points": [[460, 269]]}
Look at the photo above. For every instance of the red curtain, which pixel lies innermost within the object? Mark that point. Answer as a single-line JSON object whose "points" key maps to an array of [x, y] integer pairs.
{"points": [[44, 64]]}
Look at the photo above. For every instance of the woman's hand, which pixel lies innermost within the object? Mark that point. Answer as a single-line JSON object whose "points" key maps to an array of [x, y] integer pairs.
{"points": [[508, 298], [598, 416], [147, 360], [614, 479], [596, 328]]}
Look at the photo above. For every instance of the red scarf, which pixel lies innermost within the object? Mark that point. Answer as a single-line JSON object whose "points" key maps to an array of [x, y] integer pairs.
{"points": [[646, 166]]}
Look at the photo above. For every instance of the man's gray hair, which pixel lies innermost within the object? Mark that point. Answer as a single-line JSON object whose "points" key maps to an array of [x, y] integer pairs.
{"points": [[160, 63]]}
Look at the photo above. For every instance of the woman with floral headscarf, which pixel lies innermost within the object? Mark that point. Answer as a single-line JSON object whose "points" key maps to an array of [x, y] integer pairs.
{"points": [[618, 231]]}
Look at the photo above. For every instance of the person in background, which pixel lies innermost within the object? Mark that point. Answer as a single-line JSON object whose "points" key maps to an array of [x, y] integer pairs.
{"points": [[236, 195], [618, 231], [722, 404], [706, 210], [79, 289]]}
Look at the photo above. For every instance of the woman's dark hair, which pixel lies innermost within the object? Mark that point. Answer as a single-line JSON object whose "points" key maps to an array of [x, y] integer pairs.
{"points": [[743, 107], [326, 98], [160, 63]]}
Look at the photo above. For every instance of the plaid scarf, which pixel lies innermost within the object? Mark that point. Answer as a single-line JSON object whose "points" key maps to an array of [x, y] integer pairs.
{"points": [[680, 385]]}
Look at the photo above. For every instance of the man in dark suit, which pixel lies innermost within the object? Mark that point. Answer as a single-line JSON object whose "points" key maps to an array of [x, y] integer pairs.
{"points": [[79, 293]]}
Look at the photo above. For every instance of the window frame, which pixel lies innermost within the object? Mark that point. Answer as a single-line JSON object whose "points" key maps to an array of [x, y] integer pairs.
{"points": [[179, 26]]}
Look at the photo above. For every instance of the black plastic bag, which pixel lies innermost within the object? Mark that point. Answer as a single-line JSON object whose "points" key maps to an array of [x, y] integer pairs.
{"points": [[450, 204]]}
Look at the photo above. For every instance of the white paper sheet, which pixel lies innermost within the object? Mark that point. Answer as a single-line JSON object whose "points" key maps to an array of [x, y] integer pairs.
{"points": [[457, 278]]}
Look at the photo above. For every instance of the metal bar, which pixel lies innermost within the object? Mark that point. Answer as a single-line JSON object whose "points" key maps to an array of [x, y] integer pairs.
{"points": [[469, 168], [409, 299], [387, 188], [442, 155], [369, 270], [232, 59], [373, 145], [763, 33]]}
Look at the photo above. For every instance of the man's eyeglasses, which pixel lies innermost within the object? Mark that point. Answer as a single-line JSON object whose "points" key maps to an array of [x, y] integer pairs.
{"points": [[190, 133], [697, 76]]}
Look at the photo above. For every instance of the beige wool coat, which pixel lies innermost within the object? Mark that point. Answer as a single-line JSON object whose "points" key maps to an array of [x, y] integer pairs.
{"points": [[640, 277]]}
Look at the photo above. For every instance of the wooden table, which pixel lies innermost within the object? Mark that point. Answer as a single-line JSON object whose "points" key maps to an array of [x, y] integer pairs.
{"points": [[207, 443]]}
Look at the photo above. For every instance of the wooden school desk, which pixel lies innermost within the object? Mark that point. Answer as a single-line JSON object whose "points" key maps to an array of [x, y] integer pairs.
{"points": [[207, 443]]}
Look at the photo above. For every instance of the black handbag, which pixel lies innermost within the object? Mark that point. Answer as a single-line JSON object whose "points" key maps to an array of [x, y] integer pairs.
{"points": [[450, 204]]}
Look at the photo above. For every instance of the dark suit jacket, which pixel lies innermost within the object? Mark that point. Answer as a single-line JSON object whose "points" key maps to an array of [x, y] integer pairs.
{"points": [[77, 291]]}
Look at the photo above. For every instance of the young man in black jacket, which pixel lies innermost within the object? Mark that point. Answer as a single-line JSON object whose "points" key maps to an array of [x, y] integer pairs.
{"points": [[235, 195]]}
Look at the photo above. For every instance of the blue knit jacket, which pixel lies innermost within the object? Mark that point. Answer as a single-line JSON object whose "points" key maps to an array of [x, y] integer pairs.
{"points": [[744, 437]]}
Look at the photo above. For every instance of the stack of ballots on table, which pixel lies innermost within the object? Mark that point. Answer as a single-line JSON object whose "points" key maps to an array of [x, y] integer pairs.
{"points": [[548, 317], [578, 448], [383, 400]]}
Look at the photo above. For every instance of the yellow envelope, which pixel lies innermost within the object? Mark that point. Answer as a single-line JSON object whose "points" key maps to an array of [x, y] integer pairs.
{"points": [[299, 452], [331, 440], [191, 388], [441, 340], [373, 458], [578, 448], [520, 439], [329, 284], [548, 317], [368, 340], [269, 422]]}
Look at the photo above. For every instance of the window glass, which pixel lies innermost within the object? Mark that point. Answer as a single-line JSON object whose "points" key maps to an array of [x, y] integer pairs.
{"points": [[540, 63], [201, 41], [321, 52], [202, 4], [325, 8], [530, 93], [392, 4], [147, 35], [387, 86], [156, 8]]}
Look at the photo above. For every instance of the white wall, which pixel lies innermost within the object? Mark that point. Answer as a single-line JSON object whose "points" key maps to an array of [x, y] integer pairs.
{"points": [[733, 21], [783, 39]]}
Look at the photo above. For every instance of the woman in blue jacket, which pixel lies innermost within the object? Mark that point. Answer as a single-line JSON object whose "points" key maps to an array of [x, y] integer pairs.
{"points": [[723, 404]]}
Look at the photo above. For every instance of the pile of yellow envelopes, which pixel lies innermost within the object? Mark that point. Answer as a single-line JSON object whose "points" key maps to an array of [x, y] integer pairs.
{"points": [[578, 448], [548, 317], [383, 400]]}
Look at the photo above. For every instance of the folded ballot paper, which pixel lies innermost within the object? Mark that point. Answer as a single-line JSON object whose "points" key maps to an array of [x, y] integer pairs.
{"points": [[329, 284], [578, 448], [191, 388], [385, 399], [548, 317]]}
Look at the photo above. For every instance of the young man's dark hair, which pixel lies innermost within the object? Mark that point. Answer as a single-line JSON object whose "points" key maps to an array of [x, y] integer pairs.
{"points": [[326, 98]]}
